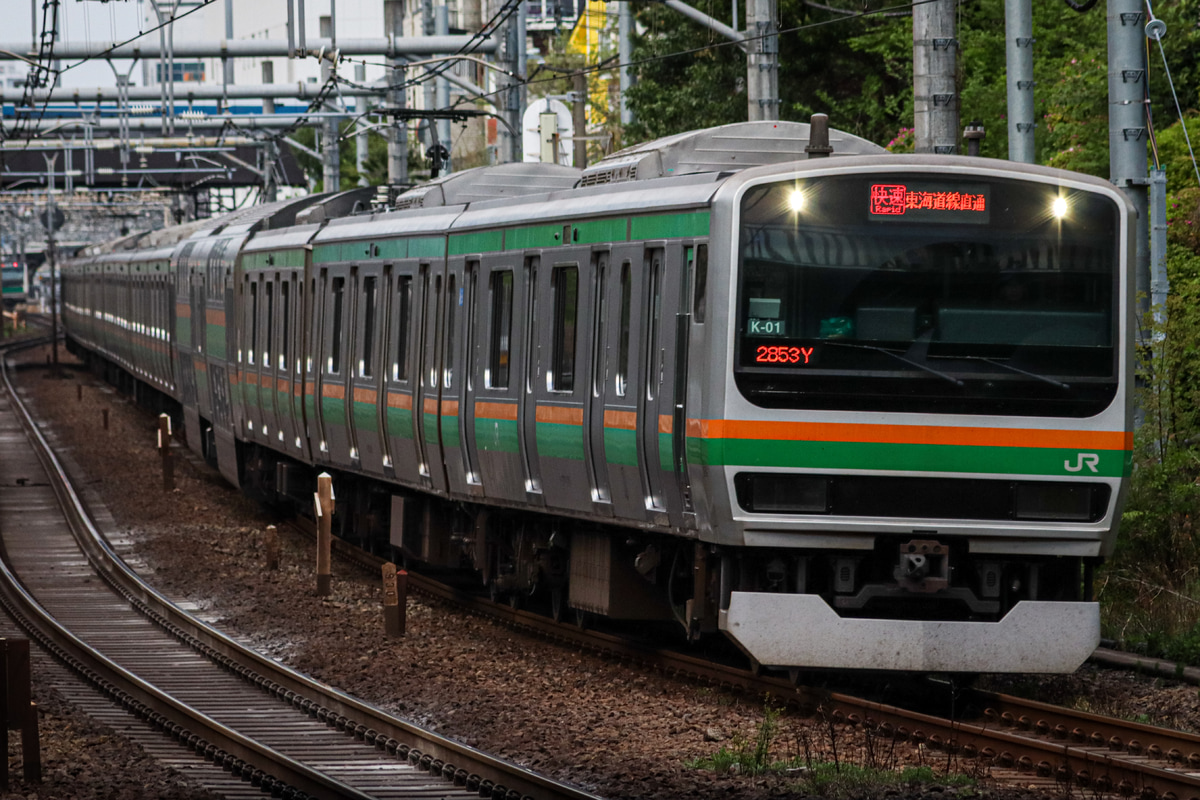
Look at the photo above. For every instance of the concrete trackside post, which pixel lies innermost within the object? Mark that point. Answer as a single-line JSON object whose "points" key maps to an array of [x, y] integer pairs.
{"points": [[164, 449], [395, 589], [17, 711], [324, 510], [272, 548]]}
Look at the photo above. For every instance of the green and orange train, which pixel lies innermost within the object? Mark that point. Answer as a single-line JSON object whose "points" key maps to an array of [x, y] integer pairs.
{"points": [[863, 411]]}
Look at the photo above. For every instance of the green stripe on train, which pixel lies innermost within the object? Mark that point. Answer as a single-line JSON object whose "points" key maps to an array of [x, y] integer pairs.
{"points": [[366, 419], [400, 422], [556, 440], [908, 457], [620, 447], [497, 435], [669, 226]]}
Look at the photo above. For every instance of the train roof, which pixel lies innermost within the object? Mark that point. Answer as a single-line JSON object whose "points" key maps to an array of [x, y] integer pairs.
{"points": [[727, 148], [488, 183]]}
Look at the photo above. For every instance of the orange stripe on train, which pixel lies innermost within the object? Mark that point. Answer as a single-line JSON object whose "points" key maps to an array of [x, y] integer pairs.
{"points": [[908, 434]]}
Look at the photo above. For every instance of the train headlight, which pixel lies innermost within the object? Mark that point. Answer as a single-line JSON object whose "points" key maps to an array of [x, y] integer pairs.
{"points": [[796, 200], [1059, 207]]}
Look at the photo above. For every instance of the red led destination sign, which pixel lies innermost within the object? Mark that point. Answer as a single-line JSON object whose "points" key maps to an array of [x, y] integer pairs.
{"points": [[782, 354], [930, 203]]}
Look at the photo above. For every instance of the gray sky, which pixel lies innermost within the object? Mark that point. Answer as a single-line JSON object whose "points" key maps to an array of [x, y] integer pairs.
{"points": [[89, 21]]}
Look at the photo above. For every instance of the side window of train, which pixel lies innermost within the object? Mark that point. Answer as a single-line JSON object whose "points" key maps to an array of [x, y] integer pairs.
{"points": [[699, 297], [452, 303], [531, 331], [564, 289], [338, 293], [285, 321], [654, 259], [500, 349], [366, 364], [599, 322], [269, 322], [253, 322], [622, 373], [403, 317], [470, 281]]}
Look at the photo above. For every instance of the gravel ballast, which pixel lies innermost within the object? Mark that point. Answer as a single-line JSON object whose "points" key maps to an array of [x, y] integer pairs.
{"points": [[616, 730]]}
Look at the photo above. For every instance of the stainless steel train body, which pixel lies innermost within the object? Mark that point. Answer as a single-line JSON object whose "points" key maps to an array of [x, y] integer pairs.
{"points": [[866, 411]]}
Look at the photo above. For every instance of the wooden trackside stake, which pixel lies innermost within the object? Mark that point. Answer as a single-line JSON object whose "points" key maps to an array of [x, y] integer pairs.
{"points": [[272, 548], [164, 449], [17, 712], [324, 509], [395, 587], [104, 414], [79, 392]]}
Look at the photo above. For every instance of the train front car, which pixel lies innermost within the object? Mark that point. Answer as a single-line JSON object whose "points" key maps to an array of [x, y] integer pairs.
{"points": [[924, 429]]}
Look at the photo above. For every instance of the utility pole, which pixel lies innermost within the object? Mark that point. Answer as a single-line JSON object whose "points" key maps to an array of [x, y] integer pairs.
{"points": [[330, 149], [935, 95], [1018, 51], [625, 55], [1127, 125], [397, 132], [442, 88], [360, 138], [579, 117], [762, 60]]}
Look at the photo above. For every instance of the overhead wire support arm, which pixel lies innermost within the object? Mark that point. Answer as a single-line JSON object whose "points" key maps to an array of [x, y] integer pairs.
{"points": [[696, 15]]}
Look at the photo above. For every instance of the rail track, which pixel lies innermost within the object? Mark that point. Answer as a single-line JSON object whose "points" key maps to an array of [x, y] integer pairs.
{"points": [[1008, 737], [1015, 739], [275, 731]]}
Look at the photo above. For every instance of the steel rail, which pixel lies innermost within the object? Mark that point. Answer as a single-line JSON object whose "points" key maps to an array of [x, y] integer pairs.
{"points": [[1029, 738], [427, 750], [137, 695]]}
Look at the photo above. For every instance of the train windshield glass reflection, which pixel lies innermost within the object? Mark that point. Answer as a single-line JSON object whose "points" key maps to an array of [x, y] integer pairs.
{"points": [[928, 292]]}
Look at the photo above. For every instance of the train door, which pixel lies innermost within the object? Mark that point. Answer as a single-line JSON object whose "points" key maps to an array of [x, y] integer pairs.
{"points": [[598, 367], [427, 404], [335, 298], [499, 385], [561, 394], [227, 403], [619, 395], [456, 416], [665, 383], [403, 374], [285, 380], [366, 435], [185, 343], [468, 362], [249, 349], [268, 384], [452, 376], [531, 375]]}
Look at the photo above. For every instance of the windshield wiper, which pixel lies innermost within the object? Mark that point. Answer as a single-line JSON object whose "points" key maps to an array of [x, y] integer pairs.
{"points": [[898, 357], [1010, 368]]}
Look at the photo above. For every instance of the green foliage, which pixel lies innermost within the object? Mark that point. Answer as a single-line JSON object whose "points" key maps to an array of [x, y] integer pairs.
{"points": [[858, 69], [747, 756], [1150, 588], [1181, 174], [839, 781]]}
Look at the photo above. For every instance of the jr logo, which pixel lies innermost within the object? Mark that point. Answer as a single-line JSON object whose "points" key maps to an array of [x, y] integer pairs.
{"points": [[1090, 460]]}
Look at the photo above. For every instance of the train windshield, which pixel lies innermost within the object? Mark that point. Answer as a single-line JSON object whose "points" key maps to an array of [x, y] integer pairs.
{"points": [[929, 293]]}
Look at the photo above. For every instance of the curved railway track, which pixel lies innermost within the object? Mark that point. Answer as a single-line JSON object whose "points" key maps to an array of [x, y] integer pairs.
{"points": [[1019, 740], [278, 731], [1014, 739]]}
